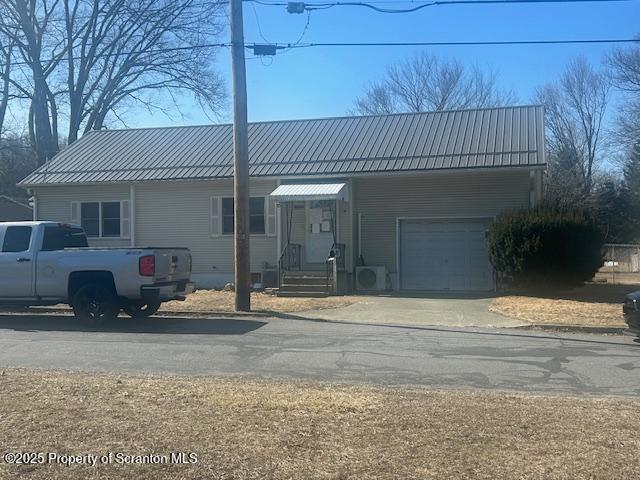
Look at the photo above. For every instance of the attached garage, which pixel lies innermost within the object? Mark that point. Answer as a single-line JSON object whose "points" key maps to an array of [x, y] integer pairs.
{"points": [[444, 255]]}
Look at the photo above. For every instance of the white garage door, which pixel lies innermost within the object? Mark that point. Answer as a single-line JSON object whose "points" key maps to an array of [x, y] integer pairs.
{"points": [[444, 255]]}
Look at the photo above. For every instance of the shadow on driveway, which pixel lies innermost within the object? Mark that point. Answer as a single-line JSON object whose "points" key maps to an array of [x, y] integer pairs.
{"points": [[158, 325]]}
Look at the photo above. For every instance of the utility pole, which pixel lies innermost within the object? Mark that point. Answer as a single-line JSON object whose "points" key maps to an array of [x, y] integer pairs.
{"points": [[240, 162]]}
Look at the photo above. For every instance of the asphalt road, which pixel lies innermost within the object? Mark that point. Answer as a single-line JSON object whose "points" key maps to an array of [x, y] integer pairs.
{"points": [[289, 348]]}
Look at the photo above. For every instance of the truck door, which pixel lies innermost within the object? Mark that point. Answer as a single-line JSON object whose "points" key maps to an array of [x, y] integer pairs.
{"points": [[16, 263]]}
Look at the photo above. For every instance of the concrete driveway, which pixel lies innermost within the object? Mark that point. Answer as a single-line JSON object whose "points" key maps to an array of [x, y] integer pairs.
{"points": [[423, 310]]}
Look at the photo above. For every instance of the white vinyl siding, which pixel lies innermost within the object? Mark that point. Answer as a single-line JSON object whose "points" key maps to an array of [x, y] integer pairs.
{"points": [[471, 194], [62, 204], [187, 214]]}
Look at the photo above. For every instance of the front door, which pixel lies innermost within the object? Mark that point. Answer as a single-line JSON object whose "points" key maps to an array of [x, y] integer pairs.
{"points": [[319, 231]]}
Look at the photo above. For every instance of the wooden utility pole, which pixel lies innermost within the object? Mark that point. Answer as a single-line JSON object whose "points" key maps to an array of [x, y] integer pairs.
{"points": [[240, 161]]}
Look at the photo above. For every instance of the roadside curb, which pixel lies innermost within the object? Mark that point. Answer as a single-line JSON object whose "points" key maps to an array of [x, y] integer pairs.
{"points": [[550, 327], [260, 314], [573, 328]]}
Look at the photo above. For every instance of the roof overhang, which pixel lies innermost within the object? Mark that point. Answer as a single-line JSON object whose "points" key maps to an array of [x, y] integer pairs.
{"points": [[310, 191]]}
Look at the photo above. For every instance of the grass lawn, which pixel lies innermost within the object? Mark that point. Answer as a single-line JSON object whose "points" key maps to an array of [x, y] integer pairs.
{"points": [[214, 301], [218, 301], [595, 304], [250, 429]]}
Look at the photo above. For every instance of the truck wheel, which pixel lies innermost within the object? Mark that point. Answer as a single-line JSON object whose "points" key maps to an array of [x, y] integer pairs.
{"points": [[141, 310], [94, 305]]}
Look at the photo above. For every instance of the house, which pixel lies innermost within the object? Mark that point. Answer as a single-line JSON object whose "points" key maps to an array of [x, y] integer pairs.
{"points": [[410, 193], [13, 210]]}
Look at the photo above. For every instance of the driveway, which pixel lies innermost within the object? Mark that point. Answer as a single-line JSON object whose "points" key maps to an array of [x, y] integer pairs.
{"points": [[406, 310], [298, 349]]}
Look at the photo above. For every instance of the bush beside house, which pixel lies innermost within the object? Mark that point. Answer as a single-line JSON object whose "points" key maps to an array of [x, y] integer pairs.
{"points": [[545, 248]]}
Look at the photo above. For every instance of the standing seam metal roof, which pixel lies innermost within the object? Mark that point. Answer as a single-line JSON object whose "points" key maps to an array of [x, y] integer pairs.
{"points": [[481, 138]]}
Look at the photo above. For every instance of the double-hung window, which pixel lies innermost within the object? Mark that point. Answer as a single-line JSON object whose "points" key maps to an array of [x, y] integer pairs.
{"points": [[262, 216], [256, 216], [102, 219]]}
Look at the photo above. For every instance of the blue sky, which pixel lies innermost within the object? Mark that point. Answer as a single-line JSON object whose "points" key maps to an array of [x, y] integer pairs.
{"points": [[319, 82]]}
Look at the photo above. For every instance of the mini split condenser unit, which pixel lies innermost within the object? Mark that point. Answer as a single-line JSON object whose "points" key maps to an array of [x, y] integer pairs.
{"points": [[371, 278]]}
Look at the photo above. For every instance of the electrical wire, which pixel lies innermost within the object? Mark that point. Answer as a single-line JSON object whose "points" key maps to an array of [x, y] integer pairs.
{"points": [[370, 5], [282, 46], [255, 14], [470, 43]]}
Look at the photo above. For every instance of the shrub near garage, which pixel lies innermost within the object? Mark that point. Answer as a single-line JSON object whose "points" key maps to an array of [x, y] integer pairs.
{"points": [[545, 248]]}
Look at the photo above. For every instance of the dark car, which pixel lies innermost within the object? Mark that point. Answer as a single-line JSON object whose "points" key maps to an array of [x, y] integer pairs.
{"points": [[631, 309]]}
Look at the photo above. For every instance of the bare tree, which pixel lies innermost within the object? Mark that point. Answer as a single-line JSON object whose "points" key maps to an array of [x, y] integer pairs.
{"points": [[26, 23], [127, 51], [6, 55], [625, 74], [90, 61], [575, 108], [425, 82]]}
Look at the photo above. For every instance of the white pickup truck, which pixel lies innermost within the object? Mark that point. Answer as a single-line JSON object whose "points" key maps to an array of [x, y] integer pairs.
{"points": [[45, 263]]}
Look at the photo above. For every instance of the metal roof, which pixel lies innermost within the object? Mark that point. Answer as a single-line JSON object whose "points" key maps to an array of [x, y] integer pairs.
{"points": [[492, 137], [310, 191]]}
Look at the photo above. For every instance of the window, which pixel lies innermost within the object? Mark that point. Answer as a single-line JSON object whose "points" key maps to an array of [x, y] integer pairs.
{"points": [[102, 219], [59, 238], [256, 215], [90, 218], [227, 215], [16, 239], [110, 219]]}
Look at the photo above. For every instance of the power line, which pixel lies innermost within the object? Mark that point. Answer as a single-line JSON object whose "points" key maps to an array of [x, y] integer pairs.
{"points": [[299, 7], [281, 46], [261, 49], [469, 43]]}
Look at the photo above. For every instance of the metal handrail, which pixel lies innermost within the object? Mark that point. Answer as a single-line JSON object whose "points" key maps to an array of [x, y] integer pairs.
{"points": [[335, 261], [290, 259], [339, 251], [332, 275]]}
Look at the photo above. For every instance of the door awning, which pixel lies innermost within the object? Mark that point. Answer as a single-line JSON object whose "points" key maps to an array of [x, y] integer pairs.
{"points": [[310, 191]]}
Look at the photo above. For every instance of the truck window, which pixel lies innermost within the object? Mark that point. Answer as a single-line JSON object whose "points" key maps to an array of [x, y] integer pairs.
{"points": [[16, 239], [59, 238]]}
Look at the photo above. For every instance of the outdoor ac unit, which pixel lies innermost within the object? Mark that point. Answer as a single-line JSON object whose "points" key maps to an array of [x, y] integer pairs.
{"points": [[371, 278]]}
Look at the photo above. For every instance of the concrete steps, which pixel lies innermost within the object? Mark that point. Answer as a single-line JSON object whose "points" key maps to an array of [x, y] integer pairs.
{"points": [[302, 294], [304, 284]]}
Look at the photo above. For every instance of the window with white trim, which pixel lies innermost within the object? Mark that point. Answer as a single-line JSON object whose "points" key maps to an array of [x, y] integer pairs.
{"points": [[108, 219], [261, 219]]}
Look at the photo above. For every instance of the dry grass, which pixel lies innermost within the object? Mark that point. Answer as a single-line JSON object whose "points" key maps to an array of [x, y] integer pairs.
{"points": [[561, 312], [594, 304], [618, 278], [248, 429], [213, 301]]}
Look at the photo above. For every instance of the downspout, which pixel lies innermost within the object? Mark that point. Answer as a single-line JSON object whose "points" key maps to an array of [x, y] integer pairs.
{"points": [[132, 215], [35, 207]]}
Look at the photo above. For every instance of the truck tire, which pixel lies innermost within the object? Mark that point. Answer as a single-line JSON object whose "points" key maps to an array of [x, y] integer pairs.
{"points": [[94, 305], [141, 310]]}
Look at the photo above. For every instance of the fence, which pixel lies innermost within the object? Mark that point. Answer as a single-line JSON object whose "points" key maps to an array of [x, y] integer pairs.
{"points": [[621, 264]]}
